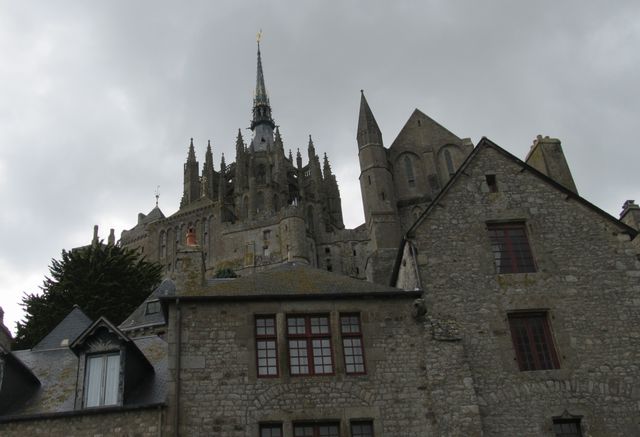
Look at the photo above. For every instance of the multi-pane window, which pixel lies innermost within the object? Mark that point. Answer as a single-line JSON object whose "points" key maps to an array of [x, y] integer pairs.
{"points": [[102, 380], [316, 430], [266, 346], [532, 341], [567, 428], [271, 430], [309, 341], [352, 343], [361, 429], [510, 247]]}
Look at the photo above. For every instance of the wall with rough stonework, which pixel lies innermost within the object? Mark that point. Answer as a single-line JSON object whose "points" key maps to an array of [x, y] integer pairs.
{"points": [[221, 395], [136, 423], [587, 280]]}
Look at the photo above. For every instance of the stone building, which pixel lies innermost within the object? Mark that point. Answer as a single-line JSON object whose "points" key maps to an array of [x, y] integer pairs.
{"points": [[499, 303], [266, 208]]}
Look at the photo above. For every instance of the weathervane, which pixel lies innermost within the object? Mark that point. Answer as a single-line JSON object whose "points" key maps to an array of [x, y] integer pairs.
{"points": [[157, 194]]}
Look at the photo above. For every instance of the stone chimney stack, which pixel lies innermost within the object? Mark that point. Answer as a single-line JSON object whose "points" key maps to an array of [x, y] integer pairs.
{"points": [[189, 271], [546, 156], [5, 335], [630, 214], [112, 237]]}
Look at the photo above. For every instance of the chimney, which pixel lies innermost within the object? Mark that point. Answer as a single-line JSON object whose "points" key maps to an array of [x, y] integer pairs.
{"points": [[630, 214], [189, 270], [112, 237], [94, 241], [546, 156]]}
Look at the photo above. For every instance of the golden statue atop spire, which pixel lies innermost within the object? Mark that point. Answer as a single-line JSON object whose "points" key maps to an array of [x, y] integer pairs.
{"points": [[259, 36]]}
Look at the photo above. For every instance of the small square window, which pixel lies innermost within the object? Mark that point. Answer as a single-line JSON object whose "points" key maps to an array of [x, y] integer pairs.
{"points": [[492, 183], [510, 247], [532, 341], [153, 307]]}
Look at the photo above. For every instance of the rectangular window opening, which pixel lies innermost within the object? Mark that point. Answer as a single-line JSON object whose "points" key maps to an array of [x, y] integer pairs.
{"points": [[567, 428], [271, 430], [491, 183], [309, 343], [266, 347], [153, 307], [362, 428], [510, 247], [352, 344], [102, 380], [316, 430], [532, 341]]}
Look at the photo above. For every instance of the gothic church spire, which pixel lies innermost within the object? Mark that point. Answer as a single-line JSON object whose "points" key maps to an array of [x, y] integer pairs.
{"points": [[261, 106], [368, 130]]}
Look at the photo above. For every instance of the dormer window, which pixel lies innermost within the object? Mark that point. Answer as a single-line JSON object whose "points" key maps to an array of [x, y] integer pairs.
{"points": [[153, 307], [102, 380]]}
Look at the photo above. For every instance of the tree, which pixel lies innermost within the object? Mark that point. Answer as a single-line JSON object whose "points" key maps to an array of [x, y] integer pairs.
{"points": [[102, 279]]}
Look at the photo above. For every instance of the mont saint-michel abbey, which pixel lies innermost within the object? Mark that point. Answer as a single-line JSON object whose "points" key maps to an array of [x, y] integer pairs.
{"points": [[267, 208], [482, 296]]}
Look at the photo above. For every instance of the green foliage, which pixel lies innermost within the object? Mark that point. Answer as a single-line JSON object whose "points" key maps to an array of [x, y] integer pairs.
{"points": [[226, 273], [102, 279]]}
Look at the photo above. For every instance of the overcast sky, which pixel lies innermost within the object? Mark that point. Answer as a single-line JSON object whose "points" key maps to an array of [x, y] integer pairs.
{"points": [[98, 100]]}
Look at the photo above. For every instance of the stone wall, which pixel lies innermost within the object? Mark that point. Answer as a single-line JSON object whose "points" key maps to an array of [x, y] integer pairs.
{"points": [[134, 423], [586, 281], [221, 394]]}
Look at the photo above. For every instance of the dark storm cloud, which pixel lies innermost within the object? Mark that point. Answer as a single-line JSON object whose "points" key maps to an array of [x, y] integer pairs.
{"points": [[98, 100]]}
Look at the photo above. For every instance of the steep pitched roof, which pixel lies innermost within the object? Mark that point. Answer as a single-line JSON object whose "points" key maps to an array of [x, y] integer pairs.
{"points": [[68, 329], [291, 280], [482, 145], [422, 128]]}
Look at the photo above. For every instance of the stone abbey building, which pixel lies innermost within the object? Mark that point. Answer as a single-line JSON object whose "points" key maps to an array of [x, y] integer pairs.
{"points": [[497, 302], [266, 208]]}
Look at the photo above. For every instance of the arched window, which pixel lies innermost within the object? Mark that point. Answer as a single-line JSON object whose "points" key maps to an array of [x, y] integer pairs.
{"points": [[408, 168], [449, 162], [260, 201], [261, 175]]}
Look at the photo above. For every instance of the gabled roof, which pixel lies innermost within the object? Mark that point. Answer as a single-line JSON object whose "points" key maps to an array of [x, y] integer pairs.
{"points": [[68, 329], [436, 133], [101, 322], [482, 145], [290, 281]]}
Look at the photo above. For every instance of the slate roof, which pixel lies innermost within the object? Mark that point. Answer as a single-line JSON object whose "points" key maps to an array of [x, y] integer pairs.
{"points": [[68, 329], [56, 368], [139, 317], [290, 279]]}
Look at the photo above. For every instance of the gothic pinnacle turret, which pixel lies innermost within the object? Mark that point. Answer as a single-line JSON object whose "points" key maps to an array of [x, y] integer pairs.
{"points": [[191, 191], [368, 130], [261, 106]]}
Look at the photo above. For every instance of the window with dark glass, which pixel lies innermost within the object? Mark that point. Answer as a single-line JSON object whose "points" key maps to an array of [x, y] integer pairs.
{"points": [[352, 345], [271, 430], [532, 341], [102, 380], [510, 247], [266, 346], [567, 428], [309, 342], [316, 430], [408, 168], [153, 307], [362, 429]]}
